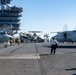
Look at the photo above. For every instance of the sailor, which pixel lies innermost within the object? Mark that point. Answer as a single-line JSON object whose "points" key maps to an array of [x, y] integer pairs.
{"points": [[54, 44]]}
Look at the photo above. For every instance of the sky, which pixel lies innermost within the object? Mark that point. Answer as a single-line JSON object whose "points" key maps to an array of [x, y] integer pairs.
{"points": [[47, 15]]}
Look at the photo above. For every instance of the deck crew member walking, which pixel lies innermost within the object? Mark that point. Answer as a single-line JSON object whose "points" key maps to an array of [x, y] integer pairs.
{"points": [[54, 44]]}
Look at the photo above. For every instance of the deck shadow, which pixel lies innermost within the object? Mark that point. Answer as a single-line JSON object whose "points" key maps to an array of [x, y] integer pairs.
{"points": [[70, 69], [66, 47], [60, 46], [44, 54]]}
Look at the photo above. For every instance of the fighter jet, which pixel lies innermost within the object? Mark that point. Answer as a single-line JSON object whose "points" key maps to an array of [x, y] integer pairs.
{"points": [[31, 36], [4, 36]]}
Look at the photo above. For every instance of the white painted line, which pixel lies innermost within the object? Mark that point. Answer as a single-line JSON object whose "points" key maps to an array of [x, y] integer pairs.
{"points": [[21, 56]]}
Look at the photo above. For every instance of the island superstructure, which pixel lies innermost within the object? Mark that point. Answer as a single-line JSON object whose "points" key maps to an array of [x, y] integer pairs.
{"points": [[10, 15]]}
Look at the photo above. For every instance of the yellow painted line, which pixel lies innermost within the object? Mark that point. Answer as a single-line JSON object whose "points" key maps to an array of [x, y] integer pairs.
{"points": [[38, 56]]}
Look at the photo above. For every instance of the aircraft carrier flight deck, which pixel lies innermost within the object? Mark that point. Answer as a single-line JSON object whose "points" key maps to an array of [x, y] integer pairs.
{"points": [[35, 59]]}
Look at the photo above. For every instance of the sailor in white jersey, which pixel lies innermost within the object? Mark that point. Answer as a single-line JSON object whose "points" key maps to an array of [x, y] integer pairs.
{"points": [[54, 44]]}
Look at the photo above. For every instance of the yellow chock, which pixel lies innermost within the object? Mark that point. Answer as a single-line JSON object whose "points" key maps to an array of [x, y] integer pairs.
{"points": [[38, 56]]}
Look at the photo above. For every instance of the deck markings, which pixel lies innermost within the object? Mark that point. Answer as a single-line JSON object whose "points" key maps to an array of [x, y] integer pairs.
{"points": [[19, 56]]}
